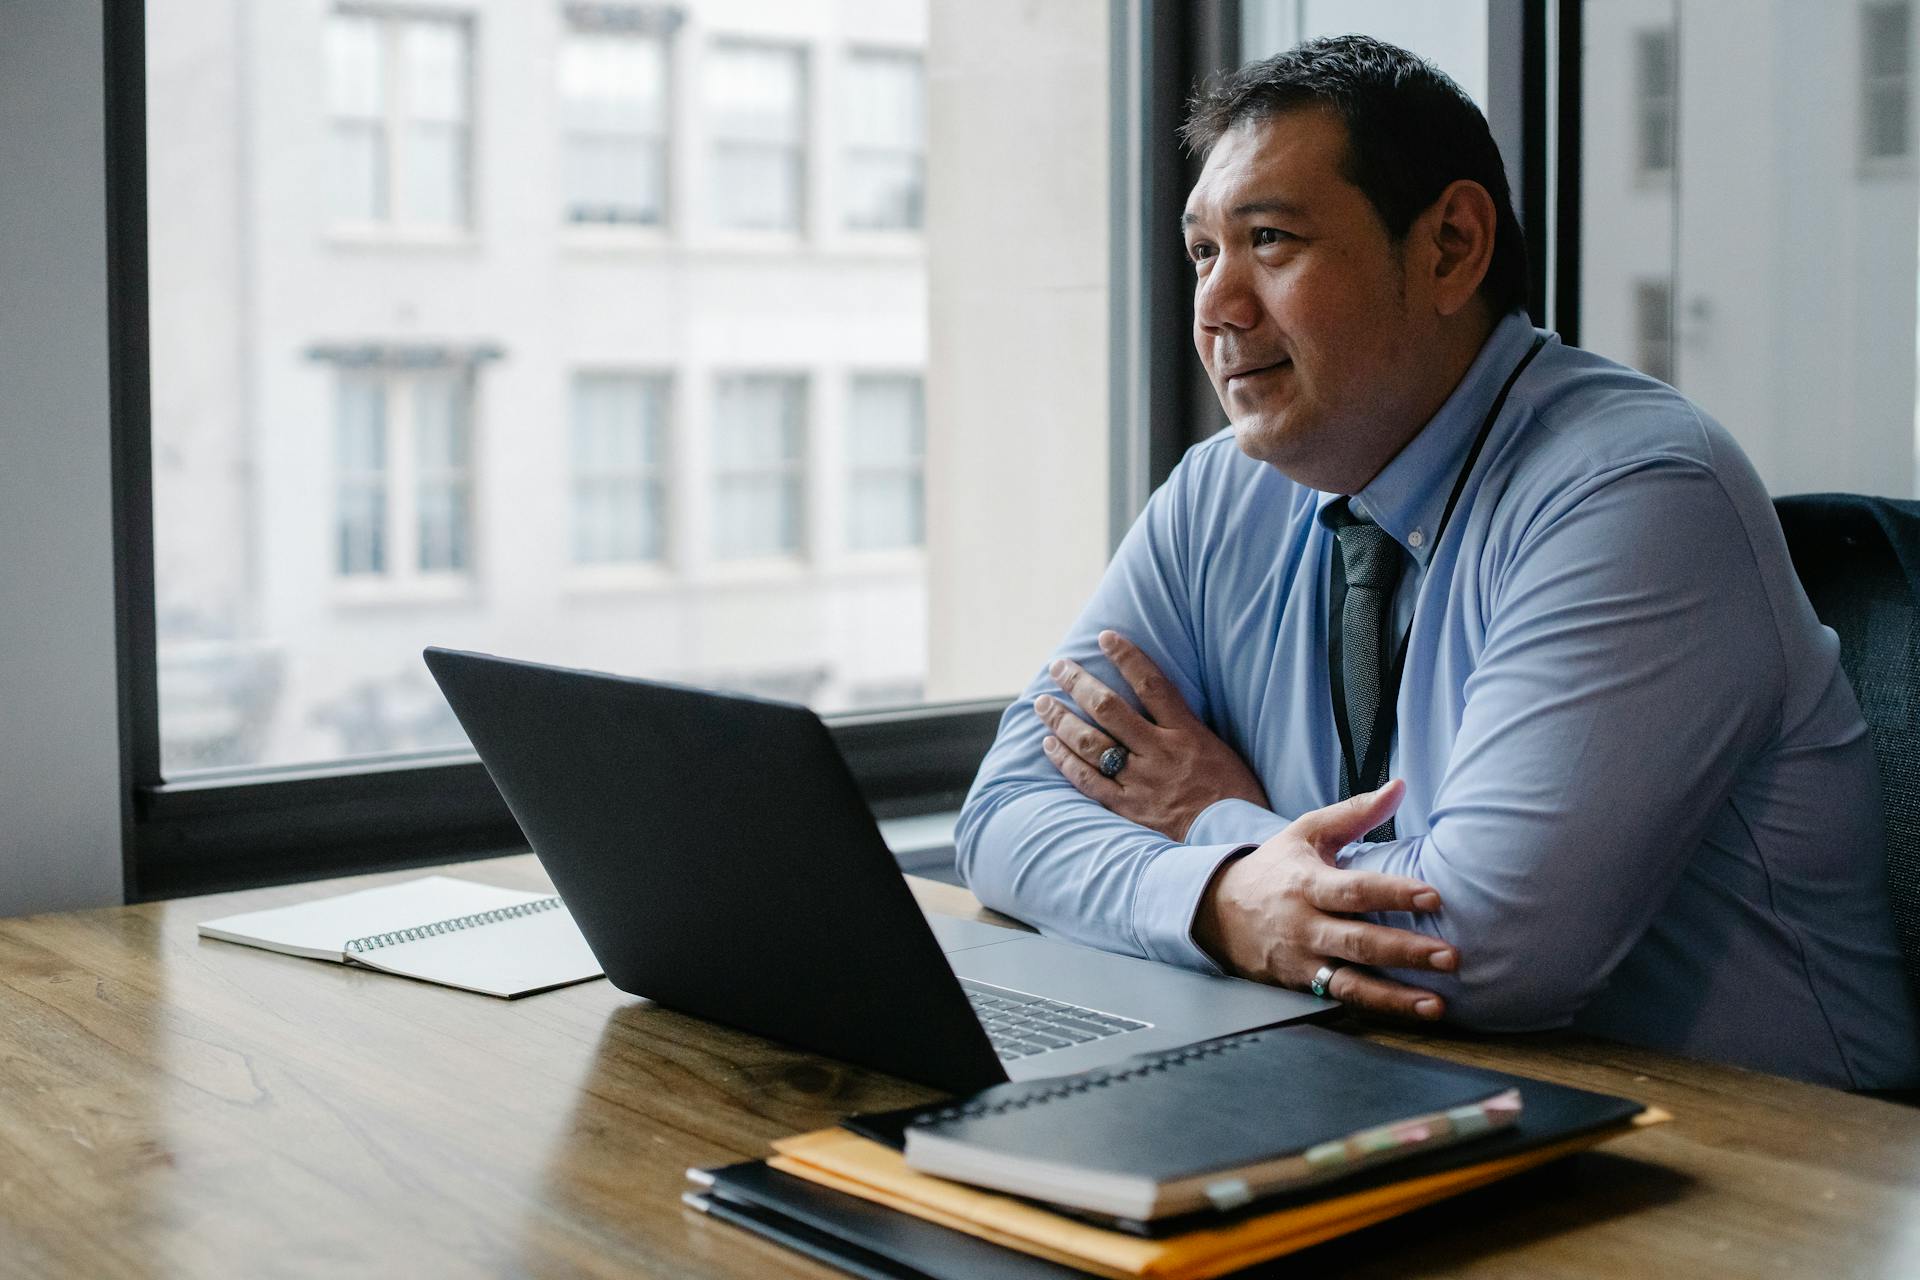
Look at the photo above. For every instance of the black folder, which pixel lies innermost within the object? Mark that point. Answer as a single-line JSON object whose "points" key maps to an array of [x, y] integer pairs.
{"points": [[859, 1237]]}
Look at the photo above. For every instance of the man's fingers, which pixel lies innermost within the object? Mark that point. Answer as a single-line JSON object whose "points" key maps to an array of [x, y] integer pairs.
{"points": [[1377, 945], [1361, 990], [1085, 778], [1085, 741], [1162, 701], [1357, 892], [1106, 708], [1340, 824]]}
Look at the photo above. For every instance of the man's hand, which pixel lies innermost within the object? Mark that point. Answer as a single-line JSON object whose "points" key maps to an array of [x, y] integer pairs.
{"points": [[1279, 913], [1175, 766]]}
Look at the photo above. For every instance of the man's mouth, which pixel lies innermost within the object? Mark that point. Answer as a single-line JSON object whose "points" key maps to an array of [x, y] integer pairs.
{"points": [[1241, 376]]}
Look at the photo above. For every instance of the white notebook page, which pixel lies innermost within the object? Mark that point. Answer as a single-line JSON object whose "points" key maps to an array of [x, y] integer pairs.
{"points": [[321, 930]]}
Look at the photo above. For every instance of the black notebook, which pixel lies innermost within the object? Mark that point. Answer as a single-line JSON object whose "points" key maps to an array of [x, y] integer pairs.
{"points": [[1226, 1105], [859, 1237]]}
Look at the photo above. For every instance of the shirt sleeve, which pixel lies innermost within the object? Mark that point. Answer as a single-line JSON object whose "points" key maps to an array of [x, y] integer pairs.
{"points": [[1631, 666], [1030, 845]]}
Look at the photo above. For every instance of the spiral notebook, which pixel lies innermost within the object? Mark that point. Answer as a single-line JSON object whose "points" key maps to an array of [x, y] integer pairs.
{"points": [[1212, 1126], [478, 937]]}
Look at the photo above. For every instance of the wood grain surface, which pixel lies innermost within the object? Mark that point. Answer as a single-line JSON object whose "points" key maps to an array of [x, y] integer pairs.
{"points": [[171, 1106]]}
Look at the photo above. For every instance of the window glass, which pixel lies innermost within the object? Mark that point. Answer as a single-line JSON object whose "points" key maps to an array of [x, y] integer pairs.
{"points": [[402, 396], [1885, 56], [885, 453], [1750, 225], [756, 102], [619, 489], [1452, 34], [613, 91], [361, 453], [397, 86], [356, 83], [757, 450], [886, 125]]}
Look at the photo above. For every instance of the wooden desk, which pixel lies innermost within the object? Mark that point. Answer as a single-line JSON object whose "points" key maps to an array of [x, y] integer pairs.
{"points": [[176, 1107]]}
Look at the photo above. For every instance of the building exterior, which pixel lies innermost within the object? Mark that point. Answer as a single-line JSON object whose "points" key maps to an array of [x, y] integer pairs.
{"points": [[1750, 227], [589, 333]]}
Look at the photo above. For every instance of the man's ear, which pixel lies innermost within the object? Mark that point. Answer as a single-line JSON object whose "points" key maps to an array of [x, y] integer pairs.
{"points": [[1457, 231]]}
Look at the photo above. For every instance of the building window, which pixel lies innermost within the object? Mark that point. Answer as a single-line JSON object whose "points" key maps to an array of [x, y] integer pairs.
{"points": [[1884, 59], [619, 468], [403, 473], [1653, 328], [613, 110], [886, 130], [1655, 101], [759, 447], [398, 92], [886, 463], [756, 105]]}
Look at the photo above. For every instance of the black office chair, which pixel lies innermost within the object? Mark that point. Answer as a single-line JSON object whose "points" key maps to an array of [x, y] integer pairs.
{"points": [[1859, 560]]}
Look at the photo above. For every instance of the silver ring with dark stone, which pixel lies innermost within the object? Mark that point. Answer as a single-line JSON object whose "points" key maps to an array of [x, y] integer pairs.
{"points": [[1112, 761]]}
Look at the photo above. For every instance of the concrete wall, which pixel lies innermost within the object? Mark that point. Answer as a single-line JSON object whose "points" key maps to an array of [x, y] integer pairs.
{"points": [[59, 731]]}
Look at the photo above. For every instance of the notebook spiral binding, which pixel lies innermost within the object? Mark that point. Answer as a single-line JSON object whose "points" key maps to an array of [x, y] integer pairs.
{"points": [[1086, 1081], [376, 941]]}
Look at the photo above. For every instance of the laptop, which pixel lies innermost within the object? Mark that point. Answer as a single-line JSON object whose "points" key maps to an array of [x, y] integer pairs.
{"points": [[720, 861]]}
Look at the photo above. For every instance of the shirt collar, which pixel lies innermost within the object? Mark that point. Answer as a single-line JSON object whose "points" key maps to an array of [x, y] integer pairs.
{"points": [[1409, 495]]}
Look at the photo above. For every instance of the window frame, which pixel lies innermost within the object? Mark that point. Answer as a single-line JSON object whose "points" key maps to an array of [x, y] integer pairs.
{"points": [[1665, 104], [1873, 162], [658, 476], [661, 33], [402, 480], [911, 473], [397, 120], [224, 829], [850, 151], [800, 151]]}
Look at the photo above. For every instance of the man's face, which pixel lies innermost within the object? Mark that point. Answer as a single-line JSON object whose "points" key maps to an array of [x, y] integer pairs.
{"points": [[1301, 311]]}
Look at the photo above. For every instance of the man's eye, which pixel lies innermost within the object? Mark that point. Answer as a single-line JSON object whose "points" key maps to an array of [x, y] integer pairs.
{"points": [[1264, 236], [1198, 252]]}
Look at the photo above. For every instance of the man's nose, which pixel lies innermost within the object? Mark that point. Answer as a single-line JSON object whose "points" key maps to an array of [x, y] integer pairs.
{"points": [[1224, 298]]}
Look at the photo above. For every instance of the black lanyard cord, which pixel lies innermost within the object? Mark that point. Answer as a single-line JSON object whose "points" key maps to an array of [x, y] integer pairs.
{"points": [[1386, 714]]}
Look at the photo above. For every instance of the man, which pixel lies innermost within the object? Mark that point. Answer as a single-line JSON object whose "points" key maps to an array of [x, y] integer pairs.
{"points": [[1548, 597]]}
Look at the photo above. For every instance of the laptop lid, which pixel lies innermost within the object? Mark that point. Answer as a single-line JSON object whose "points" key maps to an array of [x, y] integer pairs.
{"points": [[720, 861]]}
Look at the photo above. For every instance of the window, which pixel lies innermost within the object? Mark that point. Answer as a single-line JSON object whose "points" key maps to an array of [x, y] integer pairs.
{"points": [[1884, 57], [1653, 315], [1759, 276], [886, 447], [755, 102], [403, 479], [619, 468], [1654, 101], [758, 465], [886, 127], [613, 107], [398, 92], [658, 401]]}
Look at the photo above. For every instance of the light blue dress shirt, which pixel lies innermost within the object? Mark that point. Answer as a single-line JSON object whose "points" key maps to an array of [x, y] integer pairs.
{"points": [[1635, 772]]}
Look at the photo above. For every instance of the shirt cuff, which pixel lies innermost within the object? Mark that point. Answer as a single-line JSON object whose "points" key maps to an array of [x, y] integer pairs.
{"points": [[1235, 819], [1168, 898]]}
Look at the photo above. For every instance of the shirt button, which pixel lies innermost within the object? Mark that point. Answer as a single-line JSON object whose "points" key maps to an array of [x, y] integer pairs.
{"points": [[1416, 539]]}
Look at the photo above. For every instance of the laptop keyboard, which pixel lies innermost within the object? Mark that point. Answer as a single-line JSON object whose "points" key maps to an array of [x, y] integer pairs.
{"points": [[1021, 1025]]}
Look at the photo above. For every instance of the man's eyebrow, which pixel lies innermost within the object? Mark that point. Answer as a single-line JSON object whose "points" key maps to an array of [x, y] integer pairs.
{"points": [[1252, 209]]}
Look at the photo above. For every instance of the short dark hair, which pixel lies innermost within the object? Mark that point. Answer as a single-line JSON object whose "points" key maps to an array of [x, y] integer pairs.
{"points": [[1410, 132]]}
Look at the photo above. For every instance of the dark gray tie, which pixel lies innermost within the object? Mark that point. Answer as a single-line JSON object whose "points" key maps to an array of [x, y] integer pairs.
{"points": [[1371, 561]]}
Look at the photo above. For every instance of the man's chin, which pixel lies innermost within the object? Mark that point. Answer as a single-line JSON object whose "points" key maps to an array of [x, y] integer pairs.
{"points": [[1262, 438]]}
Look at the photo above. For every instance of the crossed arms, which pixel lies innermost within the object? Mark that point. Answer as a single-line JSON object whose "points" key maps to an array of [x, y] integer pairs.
{"points": [[1618, 690]]}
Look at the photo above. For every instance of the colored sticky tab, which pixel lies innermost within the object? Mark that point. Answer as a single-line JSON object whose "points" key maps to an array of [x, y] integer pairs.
{"points": [[1229, 1193]]}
